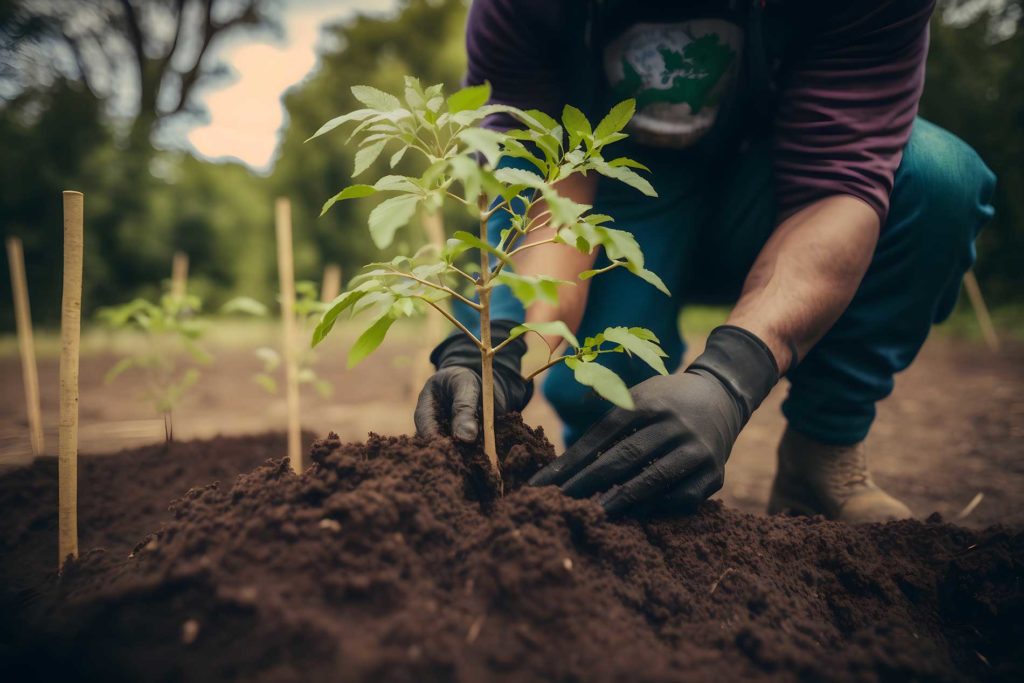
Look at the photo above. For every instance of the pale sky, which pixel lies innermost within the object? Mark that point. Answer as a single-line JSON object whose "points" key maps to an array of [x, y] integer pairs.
{"points": [[246, 114]]}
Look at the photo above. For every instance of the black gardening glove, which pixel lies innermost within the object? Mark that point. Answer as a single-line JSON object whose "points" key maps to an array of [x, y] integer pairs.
{"points": [[669, 454], [450, 401]]}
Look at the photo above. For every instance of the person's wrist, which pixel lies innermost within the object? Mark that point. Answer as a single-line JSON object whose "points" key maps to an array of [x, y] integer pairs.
{"points": [[742, 362]]}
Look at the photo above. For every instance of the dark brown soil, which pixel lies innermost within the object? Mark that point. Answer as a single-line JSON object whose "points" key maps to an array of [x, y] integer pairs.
{"points": [[390, 560]]}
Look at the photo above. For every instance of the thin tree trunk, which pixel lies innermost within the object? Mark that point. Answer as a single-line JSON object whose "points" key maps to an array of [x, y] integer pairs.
{"points": [[487, 357]]}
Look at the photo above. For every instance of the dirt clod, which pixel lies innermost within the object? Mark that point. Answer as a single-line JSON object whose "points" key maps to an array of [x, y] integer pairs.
{"points": [[391, 560]]}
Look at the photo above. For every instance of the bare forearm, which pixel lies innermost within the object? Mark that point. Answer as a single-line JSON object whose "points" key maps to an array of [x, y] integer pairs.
{"points": [[559, 261], [806, 275]]}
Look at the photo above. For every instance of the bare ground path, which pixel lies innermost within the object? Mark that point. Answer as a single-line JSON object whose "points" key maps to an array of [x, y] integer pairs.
{"points": [[954, 427]]}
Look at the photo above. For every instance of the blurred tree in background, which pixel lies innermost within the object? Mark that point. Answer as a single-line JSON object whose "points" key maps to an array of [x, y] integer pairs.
{"points": [[975, 88], [60, 131], [425, 40]]}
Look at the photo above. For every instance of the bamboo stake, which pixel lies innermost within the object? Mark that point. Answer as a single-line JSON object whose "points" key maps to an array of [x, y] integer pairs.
{"points": [[988, 330], [330, 287], [179, 274], [26, 346], [70, 334], [286, 274]]}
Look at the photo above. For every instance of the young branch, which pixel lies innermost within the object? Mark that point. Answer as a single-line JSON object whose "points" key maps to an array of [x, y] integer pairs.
{"points": [[453, 321], [438, 287], [531, 245]]}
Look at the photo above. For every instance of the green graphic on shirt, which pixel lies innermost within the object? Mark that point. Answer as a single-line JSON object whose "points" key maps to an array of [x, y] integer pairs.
{"points": [[689, 76]]}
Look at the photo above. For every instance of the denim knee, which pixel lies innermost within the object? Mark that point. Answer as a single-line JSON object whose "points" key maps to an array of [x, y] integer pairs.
{"points": [[941, 199]]}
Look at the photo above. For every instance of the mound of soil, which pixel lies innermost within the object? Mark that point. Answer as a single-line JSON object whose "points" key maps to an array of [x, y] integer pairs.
{"points": [[392, 560]]}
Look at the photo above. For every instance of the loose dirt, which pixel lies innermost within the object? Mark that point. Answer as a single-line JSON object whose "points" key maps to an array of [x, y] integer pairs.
{"points": [[391, 560]]}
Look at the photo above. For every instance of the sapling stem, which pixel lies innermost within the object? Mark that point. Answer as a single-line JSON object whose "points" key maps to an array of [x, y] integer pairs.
{"points": [[487, 355]]}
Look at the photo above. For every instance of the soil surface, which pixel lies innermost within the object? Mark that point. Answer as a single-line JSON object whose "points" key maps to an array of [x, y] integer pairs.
{"points": [[953, 428], [392, 560]]}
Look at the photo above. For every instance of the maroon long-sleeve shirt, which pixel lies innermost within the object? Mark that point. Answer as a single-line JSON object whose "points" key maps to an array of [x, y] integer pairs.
{"points": [[847, 89]]}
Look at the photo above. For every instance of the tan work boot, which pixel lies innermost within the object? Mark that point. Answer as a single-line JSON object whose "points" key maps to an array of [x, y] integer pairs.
{"points": [[815, 478]]}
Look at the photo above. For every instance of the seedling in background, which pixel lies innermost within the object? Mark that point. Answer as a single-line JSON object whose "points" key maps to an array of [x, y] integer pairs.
{"points": [[171, 333], [308, 309], [461, 163]]}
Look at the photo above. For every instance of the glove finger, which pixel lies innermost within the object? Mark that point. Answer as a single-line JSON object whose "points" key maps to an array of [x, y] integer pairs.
{"points": [[605, 432], [661, 476], [426, 412], [464, 389], [622, 461], [687, 496]]}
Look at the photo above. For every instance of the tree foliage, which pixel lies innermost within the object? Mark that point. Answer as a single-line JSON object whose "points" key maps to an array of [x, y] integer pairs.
{"points": [[458, 162]]}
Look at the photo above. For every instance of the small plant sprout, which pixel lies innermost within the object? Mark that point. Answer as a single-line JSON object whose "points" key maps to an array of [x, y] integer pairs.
{"points": [[308, 309], [171, 333], [487, 172]]}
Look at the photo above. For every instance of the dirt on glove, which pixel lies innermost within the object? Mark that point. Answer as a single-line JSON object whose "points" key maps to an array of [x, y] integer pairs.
{"points": [[392, 560]]}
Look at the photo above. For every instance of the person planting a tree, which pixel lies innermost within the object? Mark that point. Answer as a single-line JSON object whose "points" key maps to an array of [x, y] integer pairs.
{"points": [[793, 178]]}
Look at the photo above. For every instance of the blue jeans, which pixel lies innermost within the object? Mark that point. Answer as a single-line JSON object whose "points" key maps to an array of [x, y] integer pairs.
{"points": [[702, 234]]}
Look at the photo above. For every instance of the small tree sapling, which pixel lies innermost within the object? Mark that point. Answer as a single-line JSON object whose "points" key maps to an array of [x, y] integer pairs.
{"points": [[308, 309], [171, 331], [461, 163]]}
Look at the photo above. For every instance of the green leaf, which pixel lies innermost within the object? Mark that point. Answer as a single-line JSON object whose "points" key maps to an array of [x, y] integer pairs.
{"points": [[616, 120], [323, 387], [529, 288], [625, 161], [472, 97], [485, 141], [576, 124], [367, 155], [555, 327], [271, 359], [396, 183], [357, 115], [376, 99], [119, 368], [564, 211], [606, 383], [620, 244], [268, 383], [341, 303], [369, 340], [546, 123], [625, 175], [650, 277], [474, 241], [245, 305], [390, 215], [397, 156], [519, 176], [350, 192], [645, 350], [644, 333], [587, 274]]}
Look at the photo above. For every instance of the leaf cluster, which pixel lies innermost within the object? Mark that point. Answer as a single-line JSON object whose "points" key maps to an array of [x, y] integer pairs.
{"points": [[308, 309], [469, 163], [170, 326]]}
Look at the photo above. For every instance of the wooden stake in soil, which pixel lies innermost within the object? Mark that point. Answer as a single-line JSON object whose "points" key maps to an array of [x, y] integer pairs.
{"points": [[179, 274], [988, 330], [286, 274], [70, 335], [330, 287], [26, 347]]}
